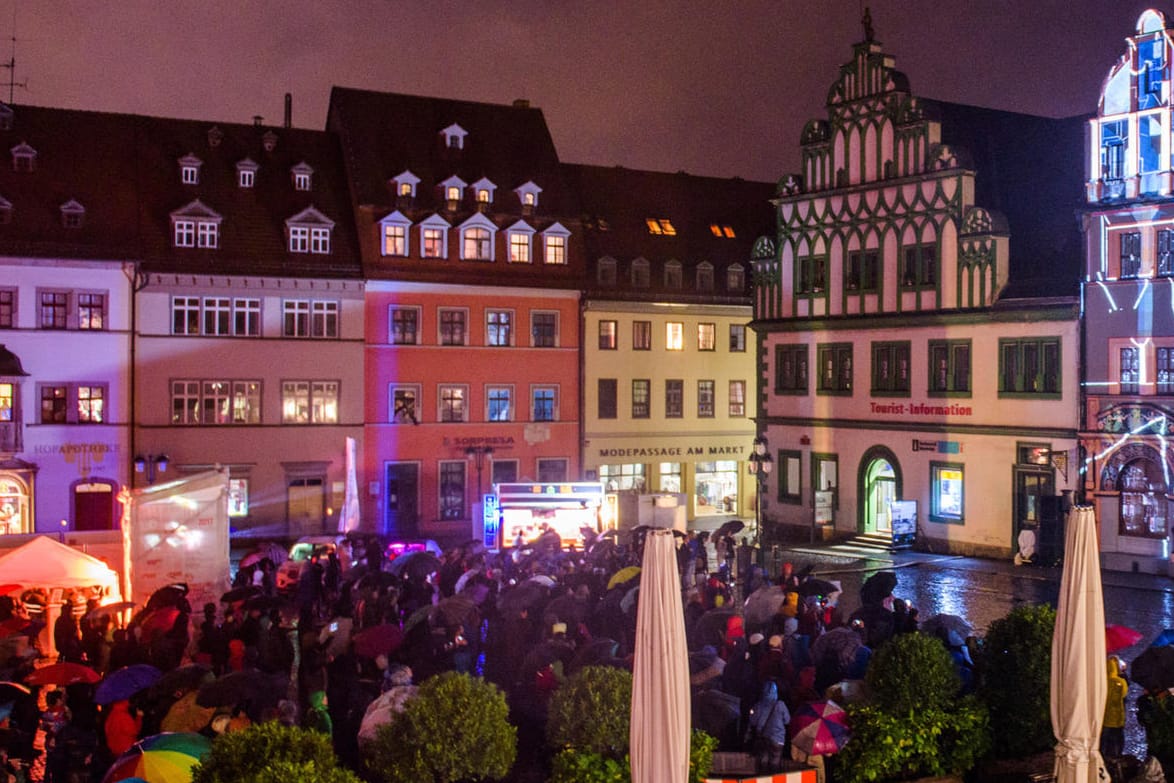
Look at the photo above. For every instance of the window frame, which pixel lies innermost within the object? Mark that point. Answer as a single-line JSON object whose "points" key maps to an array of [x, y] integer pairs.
{"points": [[790, 462], [706, 398], [476, 243], [641, 335], [396, 239], [607, 398], [949, 387], [706, 337], [674, 336], [737, 338], [445, 331], [538, 392], [1129, 246], [8, 308], [452, 399], [540, 336], [499, 334], [398, 335], [608, 334], [920, 266], [451, 494], [408, 412], [838, 359], [674, 398], [67, 403], [890, 384], [1019, 364], [800, 356], [199, 398], [736, 401], [641, 398], [811, 275], [495, 393], [320, 395], [936, 513], [862, 271]]}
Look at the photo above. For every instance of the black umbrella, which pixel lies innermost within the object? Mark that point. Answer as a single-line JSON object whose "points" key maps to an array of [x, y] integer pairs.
{"points": [[177, 682], [265, 603], [168, 595], [240, 594], [259, 689], [710, 628], [812, 586], [942, 624], [415, 565], [1154, 668], [454, 610], [878, 587], [729, 528], [521, 597]]}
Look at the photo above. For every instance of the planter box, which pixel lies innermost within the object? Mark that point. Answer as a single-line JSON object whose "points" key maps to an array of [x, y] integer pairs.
{"points": [[739, 768]]}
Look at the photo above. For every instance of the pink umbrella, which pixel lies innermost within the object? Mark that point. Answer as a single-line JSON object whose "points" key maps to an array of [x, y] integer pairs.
{"points": [[819, 728], [1118, 637]]}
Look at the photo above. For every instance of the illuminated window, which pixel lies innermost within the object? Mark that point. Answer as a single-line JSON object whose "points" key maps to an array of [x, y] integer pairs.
{"points": [[395, 240], [238, 497], [1165, 265], [452, 401], [947, 485], [54, 404], [790, 477], [642, 335], [1114, 141], [7, 401], [722, 231], [406, 189], [674, 336], [405, 325], [403, 404], [309, 402], [452, 326], [670, 476], [453, 193], [556, 249], [477, 244], [1143, 499], [835, 368], [653, 226], [949, 367], [890, 368], [737, 405], [715, 229], [1129, 376], [706, 337], [499, 328], [608, 335], [660, 227], [499, 405], [674, 398], [482, 196], [434, 242], [728, 232], [519, 247], [215, 402], [91, 311], [705, 399], [641, 398], [1164, 370], [544, 403], [528, 199]]}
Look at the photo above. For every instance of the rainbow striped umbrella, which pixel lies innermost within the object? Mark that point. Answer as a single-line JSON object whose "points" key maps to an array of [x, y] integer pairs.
{"points": [[163, 758]]}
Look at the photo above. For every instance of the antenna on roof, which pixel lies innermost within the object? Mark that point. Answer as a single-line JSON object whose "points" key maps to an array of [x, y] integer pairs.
{"points": [[12, 83]]}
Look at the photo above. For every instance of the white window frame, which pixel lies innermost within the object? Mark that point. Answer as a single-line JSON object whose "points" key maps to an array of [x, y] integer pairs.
{"points": [[405, 179], [533, 339], [555, 240], [478, 221], [511, 401], [544, 387], [184, 234], [434, 223], [396, 232], [246, 178], [674, 336], [207, 235], [528, 194], [442, 392], [391, 323], [320, 240], [310, 401], [299, 239], [510, 323], [409, 415]]}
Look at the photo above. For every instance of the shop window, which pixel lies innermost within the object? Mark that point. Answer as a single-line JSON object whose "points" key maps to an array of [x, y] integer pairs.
{"points": [[670, 476], [947, 484], [790, 477], [1144, 508]]}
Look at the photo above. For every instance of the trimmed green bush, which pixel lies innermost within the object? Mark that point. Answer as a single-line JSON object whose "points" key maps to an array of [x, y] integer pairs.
{"points": [[912, 672], [456, 729], [1014, 674], [242, 755], [302, 772], [932, 741], [574, 766], [591, 712]]}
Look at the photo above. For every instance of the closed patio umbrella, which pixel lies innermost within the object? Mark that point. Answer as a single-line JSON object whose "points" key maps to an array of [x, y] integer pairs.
{"points": [[659, 731], [1078, 677]]}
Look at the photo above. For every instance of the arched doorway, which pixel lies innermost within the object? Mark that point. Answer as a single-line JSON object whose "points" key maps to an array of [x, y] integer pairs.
{"points": [[1143, 499], [878, 485], [93, 505], [15, 507]]}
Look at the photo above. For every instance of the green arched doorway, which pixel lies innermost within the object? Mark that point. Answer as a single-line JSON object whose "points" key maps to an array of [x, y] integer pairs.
{"points": [[878, 484]]}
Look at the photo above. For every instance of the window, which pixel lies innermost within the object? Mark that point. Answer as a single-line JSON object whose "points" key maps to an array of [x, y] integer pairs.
{"points": [[309, 232], [737, 338], [670, 476], [215, 402], [736, 278], [7, 308], [863, 272], [477, 244], [810, 275], [309, 318], [73, 403], [608, 335], [498, 403], [483, 196], [544, 330], [299, 239], [503, 471], [705, 394], [556, 249], [605, 272], [395, 240], [642, 335], [641, 394], [552, 470], [452, 487], [920, 266], [705, 276], [238, 497], [790, 477], [215, 316], [672, 275], [7, 401], [73, 214], [452, 401], [641, 273], [403, 404], [1130, 254], [452, 326], [722, 231], [544, 403], [246, 177], [405, 325], [835, 368], [825, 470], [519, 247], [791, 369], [1165, 265], [607, 398], [674, 398], [24, 158], [946, 492], [706, 337], [197, 233], [54, 309], [737, 398], [320, 240], [1029, 366], [660, 227], [189, 174], [302, 176], [309, 402], [949, 367], [890, 368], [674, 336], [1144, 508], [246, 317], [1130, 372], [434, 242], [91, 311], [499, 328], [1164, 369]]}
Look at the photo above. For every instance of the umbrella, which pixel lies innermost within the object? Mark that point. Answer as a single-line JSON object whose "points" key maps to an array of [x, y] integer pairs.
{"points": [[812, 586], [941, 625], [542, 579], [710, 628], [64, 673], [383, 709], [126, 682], [521, 597], [186, 715], [1078, 683], [14, 626], [5, 589], [1118, 637], [762, 604], [878, 587], [454, 610], [819, 728], [464, 578], [378, 640], [415, 565], [182, 680], [16, 686], [163, 758], [168, 595], [157, 621], [839, 644], [109, 609], [421, 615], [1154, 668], [236, 688], [729, 528], [660, 719], [623, 575], [252, 558], [240, 594], [1163, 639]]}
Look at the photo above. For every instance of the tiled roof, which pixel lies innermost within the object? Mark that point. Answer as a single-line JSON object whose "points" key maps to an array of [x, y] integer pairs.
{"points": [[617, 203]]}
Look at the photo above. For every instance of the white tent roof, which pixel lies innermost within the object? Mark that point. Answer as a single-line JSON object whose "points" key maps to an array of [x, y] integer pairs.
{"points": [[44, 562]]}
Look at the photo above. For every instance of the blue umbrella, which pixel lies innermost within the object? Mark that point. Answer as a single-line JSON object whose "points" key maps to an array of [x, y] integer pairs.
{"points": [[1165, 638], [126, 682]]}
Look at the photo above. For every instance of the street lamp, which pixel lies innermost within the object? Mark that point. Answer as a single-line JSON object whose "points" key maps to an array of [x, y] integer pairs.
{"points": [[760, 465], [151, 463], [478, 455]]}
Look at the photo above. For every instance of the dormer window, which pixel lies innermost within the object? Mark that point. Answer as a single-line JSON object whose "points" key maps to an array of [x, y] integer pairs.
{"points": [[660, 227], [605, 271], [554, 241], [641, 276], [309, 231], [452, 188], [736, 278], [6, 117], [528, 196], [404, 184], [672, 274], [189, 169], [705, 276], [396, 228], [302, 176], [477, 234], [521, 237], [73, 214], [196, 225], [454, 137], [483, 192], [452, 194], [24, 157], [246, 173]]}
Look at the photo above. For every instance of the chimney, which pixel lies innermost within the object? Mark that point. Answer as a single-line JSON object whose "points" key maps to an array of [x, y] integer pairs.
{"points": [[289, 110], [521, 103], [257, 120]]}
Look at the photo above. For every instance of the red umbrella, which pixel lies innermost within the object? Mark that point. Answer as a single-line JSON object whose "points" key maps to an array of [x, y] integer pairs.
{"points": [[13, 626], [66, 673], [819, 728], [377, 640], [5, 589], [1118, 637]]}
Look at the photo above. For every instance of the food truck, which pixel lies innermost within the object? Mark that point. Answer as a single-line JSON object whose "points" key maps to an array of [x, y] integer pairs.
{"points": [[531, 509]]}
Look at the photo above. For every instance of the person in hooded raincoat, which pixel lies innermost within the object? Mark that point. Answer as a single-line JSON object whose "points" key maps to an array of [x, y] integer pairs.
{"points": [[1113, 730], [766, 732], [317, 717]]}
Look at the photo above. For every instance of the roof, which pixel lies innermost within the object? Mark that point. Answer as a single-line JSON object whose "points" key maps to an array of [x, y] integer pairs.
{"points": [[618, 203], [45, 562]]}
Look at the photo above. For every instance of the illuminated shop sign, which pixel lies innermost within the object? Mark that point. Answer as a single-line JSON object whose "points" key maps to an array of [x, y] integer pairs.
{"points": [[919, 409]]}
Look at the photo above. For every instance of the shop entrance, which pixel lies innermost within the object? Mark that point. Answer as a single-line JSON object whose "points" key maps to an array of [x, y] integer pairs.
{"points": [[716, 488], [93, 506], [881, 491], [403, 491]]}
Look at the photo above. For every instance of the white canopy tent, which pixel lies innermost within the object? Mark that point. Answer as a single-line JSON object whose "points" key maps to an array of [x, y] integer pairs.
{"points": [[44, 562]]}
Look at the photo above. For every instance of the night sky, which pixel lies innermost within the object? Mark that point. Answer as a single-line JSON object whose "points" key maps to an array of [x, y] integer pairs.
{"points": [[713, 87]]}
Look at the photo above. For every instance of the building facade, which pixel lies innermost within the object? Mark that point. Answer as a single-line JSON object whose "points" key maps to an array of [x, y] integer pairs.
{"points": [[1128, 294], [899, 363]]}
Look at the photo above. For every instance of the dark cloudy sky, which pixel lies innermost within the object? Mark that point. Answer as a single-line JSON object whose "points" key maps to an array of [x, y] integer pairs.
{"points": [[715, 87]]}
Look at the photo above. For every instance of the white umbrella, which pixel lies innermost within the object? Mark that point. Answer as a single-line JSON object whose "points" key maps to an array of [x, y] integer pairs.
{"points": [[1079, 682], [660, 673], [348, 518]]}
